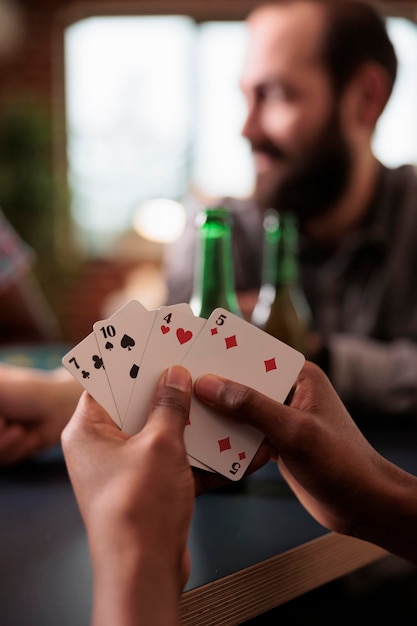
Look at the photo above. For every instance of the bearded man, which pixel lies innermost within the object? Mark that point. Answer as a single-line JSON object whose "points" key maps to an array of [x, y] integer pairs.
{"points": [[316, 78]]}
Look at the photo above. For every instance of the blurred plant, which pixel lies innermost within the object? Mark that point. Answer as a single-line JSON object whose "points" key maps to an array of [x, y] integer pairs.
{"points": [[30, 196], [26, 183]]}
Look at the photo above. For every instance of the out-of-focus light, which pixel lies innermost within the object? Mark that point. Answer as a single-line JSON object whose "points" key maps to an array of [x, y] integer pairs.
{"points": [[160, 220]]}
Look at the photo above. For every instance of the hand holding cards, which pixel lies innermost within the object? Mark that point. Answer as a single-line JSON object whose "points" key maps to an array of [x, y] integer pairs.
{"points": [[121, 361]]}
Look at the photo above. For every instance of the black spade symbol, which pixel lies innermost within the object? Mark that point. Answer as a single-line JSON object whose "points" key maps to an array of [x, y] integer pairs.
{"points": [[109, 345], [134, 370], [127, 342]]}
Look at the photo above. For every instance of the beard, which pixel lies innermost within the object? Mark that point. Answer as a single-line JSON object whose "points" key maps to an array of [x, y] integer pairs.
{"points": [[313, 182]]}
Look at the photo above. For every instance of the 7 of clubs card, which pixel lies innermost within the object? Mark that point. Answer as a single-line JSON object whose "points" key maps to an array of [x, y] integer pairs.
{"points": [[84, 362]]}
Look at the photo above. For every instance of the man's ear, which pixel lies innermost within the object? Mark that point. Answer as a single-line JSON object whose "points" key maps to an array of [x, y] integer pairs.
{"points": [[367, 94]]}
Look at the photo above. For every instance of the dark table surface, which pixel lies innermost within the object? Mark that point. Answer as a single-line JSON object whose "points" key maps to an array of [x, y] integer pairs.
{"points": [[45, 570], [44, 564]]}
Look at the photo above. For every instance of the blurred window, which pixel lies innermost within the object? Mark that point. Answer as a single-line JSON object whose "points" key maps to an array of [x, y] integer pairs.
{"points": [[395, 140]]}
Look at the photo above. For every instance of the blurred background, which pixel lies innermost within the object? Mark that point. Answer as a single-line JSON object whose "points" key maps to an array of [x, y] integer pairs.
{"points": [[116, 116]]}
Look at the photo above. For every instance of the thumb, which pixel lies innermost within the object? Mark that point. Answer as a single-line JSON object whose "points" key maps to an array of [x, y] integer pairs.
{"points": [[244, 405], [170, 406]]}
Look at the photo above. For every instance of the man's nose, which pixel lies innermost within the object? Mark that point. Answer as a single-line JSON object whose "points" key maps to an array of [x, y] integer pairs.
{"points": [[252, 128]]}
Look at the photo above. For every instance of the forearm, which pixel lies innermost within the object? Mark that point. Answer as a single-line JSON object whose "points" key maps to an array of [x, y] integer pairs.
{"points": [[66, 392], [389, 517], [133, 586], [377, 376]]}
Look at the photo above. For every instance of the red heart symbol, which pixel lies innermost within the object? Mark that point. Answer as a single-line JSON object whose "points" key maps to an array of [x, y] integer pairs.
{"points": [[165, 329], [184, 335]]}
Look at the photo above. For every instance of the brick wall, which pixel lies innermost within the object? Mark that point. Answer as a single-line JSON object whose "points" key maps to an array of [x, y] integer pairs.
{"points": [[34, 73], [34, 64]]}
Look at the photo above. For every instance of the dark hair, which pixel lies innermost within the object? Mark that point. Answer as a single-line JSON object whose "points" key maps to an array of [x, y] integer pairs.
{"points": [[354, 33]]}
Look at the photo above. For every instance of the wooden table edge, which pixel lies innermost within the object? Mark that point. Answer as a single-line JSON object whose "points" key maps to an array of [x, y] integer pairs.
{"points": [[235, 598]]}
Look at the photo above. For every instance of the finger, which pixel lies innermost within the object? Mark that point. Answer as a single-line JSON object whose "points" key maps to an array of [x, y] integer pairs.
{"points": [[263, 455], [171, 401], [313, 389]]}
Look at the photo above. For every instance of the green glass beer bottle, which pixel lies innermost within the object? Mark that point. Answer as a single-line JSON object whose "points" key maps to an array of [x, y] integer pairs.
{"points": [[282, 309], [214, 284]]}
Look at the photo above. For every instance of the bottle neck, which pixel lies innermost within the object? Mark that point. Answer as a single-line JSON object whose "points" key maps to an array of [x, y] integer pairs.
{"points": [[214, 276], [281, 306], [280, 263]]}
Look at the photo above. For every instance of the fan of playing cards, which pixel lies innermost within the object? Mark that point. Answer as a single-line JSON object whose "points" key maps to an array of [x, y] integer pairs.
{"points": [[120, 362]]}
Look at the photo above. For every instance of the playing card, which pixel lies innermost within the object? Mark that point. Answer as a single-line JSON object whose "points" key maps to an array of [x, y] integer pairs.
{"points": [[122, 339], [173, 333], [84, 362], [232, 348]]}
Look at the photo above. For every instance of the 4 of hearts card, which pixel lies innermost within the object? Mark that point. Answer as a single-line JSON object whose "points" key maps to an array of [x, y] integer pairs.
{"points": [[174, 330]]}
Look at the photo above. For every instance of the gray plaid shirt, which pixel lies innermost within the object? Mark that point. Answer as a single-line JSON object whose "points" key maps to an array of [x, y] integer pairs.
{"points": [[363, 297]]}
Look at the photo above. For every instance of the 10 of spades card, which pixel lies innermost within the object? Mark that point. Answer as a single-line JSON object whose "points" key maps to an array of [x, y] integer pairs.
{"points": [[121, 340], [121, 361]]}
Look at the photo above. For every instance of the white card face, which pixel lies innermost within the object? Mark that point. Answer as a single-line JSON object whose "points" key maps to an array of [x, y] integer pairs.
{"points": [[84, 362], [233, 348], [122, 339], [173, 333]]}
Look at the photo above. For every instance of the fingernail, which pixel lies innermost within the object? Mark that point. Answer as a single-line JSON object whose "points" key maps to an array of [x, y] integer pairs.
{"points": [[178, 377], [209, 387]]}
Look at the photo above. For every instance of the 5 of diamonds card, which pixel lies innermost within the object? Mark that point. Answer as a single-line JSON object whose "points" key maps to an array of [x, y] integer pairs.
{"points": [[232, 348]]}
